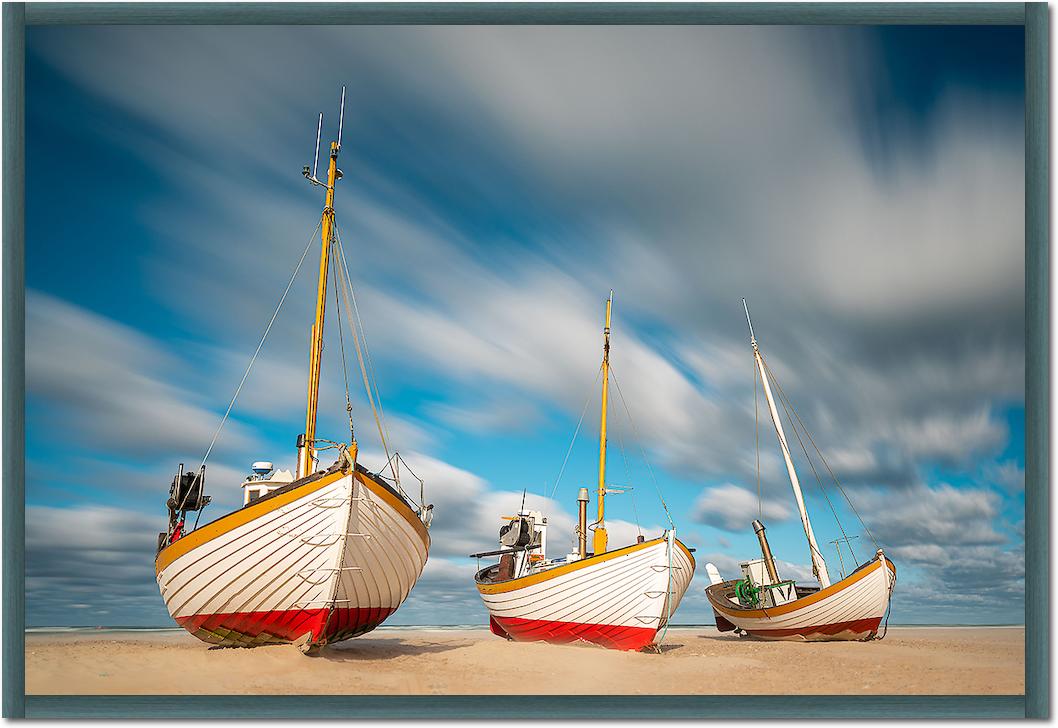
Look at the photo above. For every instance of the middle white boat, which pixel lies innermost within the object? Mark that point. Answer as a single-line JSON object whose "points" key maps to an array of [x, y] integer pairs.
{"points": [[621, 598]]}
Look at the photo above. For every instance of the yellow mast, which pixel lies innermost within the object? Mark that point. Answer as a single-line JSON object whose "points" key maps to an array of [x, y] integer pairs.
{"points": [[599, 540], [306, 444]]}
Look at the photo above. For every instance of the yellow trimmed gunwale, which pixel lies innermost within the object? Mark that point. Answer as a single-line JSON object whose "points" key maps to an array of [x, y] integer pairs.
{"points": [[540, 576], [793, 606], [264, 506]]}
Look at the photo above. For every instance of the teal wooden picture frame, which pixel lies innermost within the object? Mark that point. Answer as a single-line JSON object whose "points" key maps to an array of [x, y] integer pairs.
{"points": [[1033, 16]]}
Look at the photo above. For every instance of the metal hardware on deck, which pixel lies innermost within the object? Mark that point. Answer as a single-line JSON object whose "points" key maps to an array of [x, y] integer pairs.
{"points": [[765, 549], [662, 567], [306, 574], [582, 523], [325, 502], [305, 604], [328, 570], [332, 536], [514, 550]]}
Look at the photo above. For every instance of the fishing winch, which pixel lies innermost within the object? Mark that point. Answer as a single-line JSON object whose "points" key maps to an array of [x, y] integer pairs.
{"points": [[518, 532], [186, 494]]}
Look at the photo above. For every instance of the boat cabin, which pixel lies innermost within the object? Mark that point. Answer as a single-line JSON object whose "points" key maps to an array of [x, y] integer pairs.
{"points": [[263, 480], [759, 589]]}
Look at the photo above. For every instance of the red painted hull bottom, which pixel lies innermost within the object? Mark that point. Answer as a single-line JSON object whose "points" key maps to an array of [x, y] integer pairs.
{"points": [[858, 629], [613, 637], [250, 629]]}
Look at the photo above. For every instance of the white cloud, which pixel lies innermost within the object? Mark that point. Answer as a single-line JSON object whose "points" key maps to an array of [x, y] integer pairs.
{"points": [[1008, 475], [951, 439], [887, 293], [732, 508], [114, 385], [923, 515], [99, 556], [488, 417]]}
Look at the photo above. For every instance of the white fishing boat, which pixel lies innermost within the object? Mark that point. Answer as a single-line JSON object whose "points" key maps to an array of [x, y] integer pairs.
{"points": [[619, 598], [762, 604], [313, 557]]}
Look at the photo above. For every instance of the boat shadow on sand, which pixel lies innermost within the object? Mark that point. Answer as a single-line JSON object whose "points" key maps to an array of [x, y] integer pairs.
{"points": [[385, 649]]}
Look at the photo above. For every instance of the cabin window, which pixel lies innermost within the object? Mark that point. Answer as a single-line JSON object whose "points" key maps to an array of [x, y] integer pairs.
{"points": [[254, 495]]}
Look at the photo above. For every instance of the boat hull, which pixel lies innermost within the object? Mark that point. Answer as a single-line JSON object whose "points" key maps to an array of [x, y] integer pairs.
{"points": [[851, 609], [615, 600], [322, 560]]}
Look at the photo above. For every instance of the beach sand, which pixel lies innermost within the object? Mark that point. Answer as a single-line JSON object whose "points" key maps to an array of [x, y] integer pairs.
{"points": [[694, 660]]}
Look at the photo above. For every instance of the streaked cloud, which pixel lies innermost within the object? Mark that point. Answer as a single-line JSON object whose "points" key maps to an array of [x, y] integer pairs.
{"points": [[498, 183]]}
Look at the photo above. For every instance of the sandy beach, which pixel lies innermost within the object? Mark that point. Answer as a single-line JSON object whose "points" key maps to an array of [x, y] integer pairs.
{"points": [[694, 660]]}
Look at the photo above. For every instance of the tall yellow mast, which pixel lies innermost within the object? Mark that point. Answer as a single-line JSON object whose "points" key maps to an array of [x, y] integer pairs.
{"points": [[306, 443], [599, 540]]}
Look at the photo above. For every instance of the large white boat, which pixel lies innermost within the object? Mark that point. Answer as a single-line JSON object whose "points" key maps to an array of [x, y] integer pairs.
{"points": [[620, 598], [762, 604], [311, 558]]}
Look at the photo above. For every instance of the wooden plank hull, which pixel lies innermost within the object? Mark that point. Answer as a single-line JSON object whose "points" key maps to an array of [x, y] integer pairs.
{"points": [[620, 600], [850, 609], [322, 560]]}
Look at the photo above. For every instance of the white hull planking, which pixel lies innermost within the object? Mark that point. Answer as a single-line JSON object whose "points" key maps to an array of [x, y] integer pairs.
{"points": [[627, 591], [341, 545], [849, 609]]}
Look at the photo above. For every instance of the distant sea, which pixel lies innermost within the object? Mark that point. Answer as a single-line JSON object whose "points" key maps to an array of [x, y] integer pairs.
{"points": [[427, 627]]}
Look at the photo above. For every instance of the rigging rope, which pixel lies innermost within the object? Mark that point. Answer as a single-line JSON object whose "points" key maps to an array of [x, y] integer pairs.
{"points": [[777, 424], [756, 435], [639, 442], [786, 408], [346, 295], [377, 401], [363, 331], [341, 345], [628, 478], [574, 439], [260, 344], [783, 396]]}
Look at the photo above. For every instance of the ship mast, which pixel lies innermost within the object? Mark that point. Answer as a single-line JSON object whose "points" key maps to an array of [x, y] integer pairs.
{"points": [[306, 443], [819, 566], [600, 538]]}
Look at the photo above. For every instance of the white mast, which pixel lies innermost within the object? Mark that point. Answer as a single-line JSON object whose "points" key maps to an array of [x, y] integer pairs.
{"points": [[819, 566]]}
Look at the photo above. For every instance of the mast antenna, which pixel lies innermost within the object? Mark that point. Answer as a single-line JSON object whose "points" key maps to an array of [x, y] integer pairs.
{"points": [[316, 159], [341, 118], [752, 338]]}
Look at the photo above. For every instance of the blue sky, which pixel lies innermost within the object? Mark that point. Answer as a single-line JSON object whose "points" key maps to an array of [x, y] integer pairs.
{"points": [[863, 188]]}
